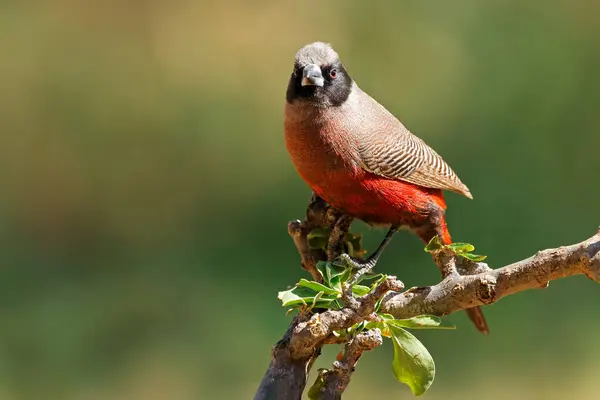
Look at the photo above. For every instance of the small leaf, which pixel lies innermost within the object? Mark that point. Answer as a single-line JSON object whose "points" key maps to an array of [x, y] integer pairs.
{"points": [[382, 325], [342, 333], [354, 244], [316, 286], [374, 279], [317, 390], [317, 243], [357, 328], [332, 270], [421, 322], [385, 316], [434, 244], [473, 257], [372, 325], [385, 331], [378, 281], [316, 299], [360, 290], [302, 296], [318, 238], [319, 232], [321, 267], [338, 278], [412, 365], [378, 304], [461, 247]]}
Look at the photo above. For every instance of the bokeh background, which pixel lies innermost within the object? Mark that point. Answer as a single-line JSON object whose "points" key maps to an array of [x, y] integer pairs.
{"points": [[146, 190]]}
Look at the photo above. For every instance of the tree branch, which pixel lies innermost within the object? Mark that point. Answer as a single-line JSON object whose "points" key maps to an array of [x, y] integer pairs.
{"points": [[458, 292], [465, 284], [318, 215], [331, 383]]}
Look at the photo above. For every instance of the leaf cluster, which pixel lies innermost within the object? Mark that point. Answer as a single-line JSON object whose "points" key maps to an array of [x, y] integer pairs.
{"points": [[460, 249], [412, 364]]}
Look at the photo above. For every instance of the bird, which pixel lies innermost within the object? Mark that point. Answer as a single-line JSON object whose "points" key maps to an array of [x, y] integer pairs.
{"points": [[360, 159]]}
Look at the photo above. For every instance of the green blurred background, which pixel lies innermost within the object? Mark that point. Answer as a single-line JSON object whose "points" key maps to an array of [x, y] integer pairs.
{"points": [[146, 188]]}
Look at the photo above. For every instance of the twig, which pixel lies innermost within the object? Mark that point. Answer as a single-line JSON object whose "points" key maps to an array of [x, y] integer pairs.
{"points": [[318, 215], [335, 246], [312, 333]]}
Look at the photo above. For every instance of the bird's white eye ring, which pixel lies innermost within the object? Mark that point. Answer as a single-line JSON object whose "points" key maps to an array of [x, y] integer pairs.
{"points": [[333, 73]]}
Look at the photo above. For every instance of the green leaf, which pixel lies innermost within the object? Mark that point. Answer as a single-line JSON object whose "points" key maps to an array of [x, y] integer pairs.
{"points": [[357, 328], [374, 279], [461, 247], [302, 296], [354, 245], [318, 388], [318, 238], [385, 331], [473, 257], [332, 271], [342, 333], [319, 232], [434, 244], [421, 322], [412, 365], [382, 325], [385, 316], [316, 299], [318, 243], [337, 275], [360, 290], [331, 274], [378, 304], [321, 267], [372, 325], [316, 286]]}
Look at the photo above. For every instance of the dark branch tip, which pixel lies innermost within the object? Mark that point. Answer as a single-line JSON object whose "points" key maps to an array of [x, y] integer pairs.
{"points": [[295, 228]]}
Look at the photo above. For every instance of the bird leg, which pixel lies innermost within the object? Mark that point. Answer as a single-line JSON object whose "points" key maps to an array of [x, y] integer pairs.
{"points": [[365, 266]]}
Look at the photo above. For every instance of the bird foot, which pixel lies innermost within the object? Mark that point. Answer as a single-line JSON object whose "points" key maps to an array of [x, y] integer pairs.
{"points": [[361, 267]]}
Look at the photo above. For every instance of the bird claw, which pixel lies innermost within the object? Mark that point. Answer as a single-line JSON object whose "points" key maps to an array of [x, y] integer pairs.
{"points": [[346, 260]]}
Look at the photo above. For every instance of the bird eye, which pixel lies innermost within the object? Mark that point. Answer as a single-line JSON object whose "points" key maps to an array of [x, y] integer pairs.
{"points": [[333, 73]]}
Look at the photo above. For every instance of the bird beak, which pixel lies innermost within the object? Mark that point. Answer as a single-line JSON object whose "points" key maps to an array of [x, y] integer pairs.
{"points": [[312, 76]]}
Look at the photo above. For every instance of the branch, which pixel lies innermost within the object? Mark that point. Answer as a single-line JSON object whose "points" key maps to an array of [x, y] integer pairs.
{"points": [[465, 284], [331, 383], [293, 356], [318, 215], [307, 335], [486, 286], [286, 377]]}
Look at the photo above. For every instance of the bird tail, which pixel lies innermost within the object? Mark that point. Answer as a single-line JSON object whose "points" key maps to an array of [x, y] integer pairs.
{"points": [[475, 314]]}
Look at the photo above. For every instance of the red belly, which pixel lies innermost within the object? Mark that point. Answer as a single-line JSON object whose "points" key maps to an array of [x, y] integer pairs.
{"points": [[375, 199]]}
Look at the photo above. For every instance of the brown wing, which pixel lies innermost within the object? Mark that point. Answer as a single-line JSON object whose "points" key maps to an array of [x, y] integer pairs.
{"points": [[398, 154]]}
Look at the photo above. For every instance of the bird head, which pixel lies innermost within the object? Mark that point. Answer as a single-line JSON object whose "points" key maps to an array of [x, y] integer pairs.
{"points": [[319, 77]]}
